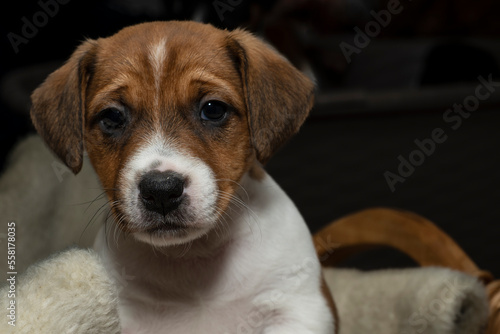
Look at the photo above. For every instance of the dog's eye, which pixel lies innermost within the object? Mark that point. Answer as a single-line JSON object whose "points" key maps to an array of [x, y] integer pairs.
{"points": [[213, 111], [112, 121]]}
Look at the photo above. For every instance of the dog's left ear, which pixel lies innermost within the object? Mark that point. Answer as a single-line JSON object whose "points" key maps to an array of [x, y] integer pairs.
{"points": [[58, 104], [278, 96]]}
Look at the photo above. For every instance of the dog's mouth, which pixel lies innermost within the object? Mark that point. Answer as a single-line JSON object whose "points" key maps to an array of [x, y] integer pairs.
{"points": [[166, 228], [168, 233], [154, 224]]}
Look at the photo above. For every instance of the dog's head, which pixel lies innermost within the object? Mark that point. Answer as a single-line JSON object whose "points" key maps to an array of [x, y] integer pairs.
{"points": [[172, 115]]}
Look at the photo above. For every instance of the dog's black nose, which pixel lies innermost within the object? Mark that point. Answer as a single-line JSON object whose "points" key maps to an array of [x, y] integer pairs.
{"points": [[161, 192]]}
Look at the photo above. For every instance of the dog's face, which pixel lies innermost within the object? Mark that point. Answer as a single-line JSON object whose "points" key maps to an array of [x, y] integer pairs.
{"points": [[172, 115]]}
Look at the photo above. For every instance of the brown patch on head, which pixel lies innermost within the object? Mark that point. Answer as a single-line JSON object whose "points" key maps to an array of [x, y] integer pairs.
{"points": [[162, 83], [156, 78]]}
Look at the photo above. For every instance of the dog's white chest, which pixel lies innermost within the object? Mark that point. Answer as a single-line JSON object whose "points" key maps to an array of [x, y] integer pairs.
{"points": [[198, 297], [204, 317]]}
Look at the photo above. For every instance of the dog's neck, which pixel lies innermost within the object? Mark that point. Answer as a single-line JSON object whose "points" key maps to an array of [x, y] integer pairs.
{"points": [[162, 273]]}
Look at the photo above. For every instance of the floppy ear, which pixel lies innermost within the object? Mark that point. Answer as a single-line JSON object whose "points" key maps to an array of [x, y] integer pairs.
{"points": [[278, 96], [58, 105]]}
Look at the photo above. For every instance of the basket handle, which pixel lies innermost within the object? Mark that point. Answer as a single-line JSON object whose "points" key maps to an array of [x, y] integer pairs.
{"points": [[409, 233]]}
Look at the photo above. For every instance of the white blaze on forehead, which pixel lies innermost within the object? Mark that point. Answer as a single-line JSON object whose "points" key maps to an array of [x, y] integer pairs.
{"points": [[157, 55]]}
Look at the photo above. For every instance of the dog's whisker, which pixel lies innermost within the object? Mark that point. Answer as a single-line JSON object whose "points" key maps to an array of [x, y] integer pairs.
{"points": [[116, 221], [98, 197], [101, 209], [240, 186], [118, 230], [240, 204], [95, 216], [107, 228], [218, 228], [116, 235], [91, 222], [223, 224], [187, 247]]}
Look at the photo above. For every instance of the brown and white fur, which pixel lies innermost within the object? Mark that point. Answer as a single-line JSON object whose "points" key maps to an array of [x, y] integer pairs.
{"points": [[208, 241]]}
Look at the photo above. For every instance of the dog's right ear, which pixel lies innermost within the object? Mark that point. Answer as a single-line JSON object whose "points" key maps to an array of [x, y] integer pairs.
{"points": [[278, 96], [58, 105]]}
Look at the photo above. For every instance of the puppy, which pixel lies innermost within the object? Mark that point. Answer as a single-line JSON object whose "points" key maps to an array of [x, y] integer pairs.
{"points": [[177, 119]]}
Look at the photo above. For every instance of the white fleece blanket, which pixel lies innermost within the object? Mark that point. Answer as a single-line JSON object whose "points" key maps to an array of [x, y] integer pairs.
{"points": [[427, 300], [67, 293]]}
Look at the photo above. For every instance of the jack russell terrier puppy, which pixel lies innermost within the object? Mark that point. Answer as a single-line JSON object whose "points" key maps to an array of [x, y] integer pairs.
{"points": [[177, 119]]}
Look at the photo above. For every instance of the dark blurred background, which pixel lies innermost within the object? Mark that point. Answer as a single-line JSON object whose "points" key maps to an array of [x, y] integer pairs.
{"points": [[389, 73]]}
